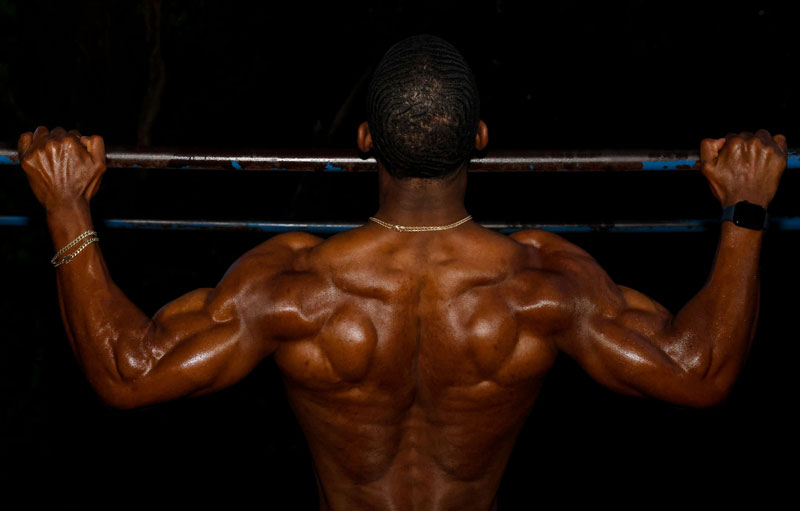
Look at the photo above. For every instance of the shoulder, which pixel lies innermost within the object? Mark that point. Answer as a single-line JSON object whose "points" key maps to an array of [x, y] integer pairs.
{"points": [[279, 252], [580, 274], [278, 256], [272, 282], [290, 244], [553, 249]]}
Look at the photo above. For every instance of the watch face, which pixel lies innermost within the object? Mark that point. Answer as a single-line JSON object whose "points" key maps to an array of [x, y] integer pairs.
{"points": [[749, 215]]}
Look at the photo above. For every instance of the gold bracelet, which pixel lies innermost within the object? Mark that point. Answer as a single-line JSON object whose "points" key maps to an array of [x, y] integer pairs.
{"points": [[55, 261]]}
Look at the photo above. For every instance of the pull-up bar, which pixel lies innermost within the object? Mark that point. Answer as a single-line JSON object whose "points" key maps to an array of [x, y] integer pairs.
{"points": [[348, 161]]}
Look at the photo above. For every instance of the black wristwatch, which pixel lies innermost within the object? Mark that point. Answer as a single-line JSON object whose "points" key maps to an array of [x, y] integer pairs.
{"points": [[746, 214]]}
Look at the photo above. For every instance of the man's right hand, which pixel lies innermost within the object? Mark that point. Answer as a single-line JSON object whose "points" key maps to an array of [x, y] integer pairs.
{"points": [[63, 168], [746, 166]]}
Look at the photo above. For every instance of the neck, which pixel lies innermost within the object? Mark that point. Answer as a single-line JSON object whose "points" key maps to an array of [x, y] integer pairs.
{"points": [[418, 202]]}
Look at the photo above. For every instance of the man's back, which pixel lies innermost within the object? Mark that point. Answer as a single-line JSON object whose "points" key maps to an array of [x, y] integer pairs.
{"points": [[411, 358], [426, 353]]}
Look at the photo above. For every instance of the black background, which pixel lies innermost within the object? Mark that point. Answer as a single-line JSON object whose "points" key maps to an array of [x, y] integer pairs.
{"points": [[557, 75]]}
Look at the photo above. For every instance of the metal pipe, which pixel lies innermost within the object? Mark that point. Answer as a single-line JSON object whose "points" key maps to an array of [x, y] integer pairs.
{"points": [[694, 225], [349, 161]]}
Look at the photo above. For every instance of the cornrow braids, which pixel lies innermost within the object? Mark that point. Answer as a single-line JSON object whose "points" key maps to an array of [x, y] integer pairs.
{"points": [[423, 109]]}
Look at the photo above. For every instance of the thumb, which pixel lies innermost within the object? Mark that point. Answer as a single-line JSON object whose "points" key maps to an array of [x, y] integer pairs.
{"points": [[96, 148], [710, 148], [23, 144], [781, 141]]}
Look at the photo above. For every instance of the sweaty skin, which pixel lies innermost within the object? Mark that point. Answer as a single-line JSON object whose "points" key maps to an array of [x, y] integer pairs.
{"points": [[411, 359]]}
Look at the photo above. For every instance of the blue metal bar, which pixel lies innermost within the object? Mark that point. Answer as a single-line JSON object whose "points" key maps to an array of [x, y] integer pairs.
{"points": [[213, 225], [15, 220], [694, 225]]}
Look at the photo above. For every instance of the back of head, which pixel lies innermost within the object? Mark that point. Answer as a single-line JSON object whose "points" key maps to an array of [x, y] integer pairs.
{"points": [[423, 109]]}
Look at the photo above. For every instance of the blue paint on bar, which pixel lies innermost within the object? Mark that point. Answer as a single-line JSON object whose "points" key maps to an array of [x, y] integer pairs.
{"points": [[793, 161], [531, 167], [330, 167], [15, 220], [785, 223], [136, 166], [666, 165], [5, 160], [184, 167], [236, 165]]}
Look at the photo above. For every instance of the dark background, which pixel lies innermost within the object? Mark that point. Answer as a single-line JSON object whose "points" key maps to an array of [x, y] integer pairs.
{"points": [[556, 75]]}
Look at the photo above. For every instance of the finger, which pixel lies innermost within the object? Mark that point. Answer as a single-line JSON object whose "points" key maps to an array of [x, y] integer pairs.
{"points": [[746, 135], [710, 148], [732, 136], [764, 137], [41, 132], [58, 133], [97, 148], [781, 141], [85, 142], [75, 133], [24, 143]]}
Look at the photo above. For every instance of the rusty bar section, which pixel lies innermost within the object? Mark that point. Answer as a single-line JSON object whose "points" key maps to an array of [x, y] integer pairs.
{"points": [[349, 161]]}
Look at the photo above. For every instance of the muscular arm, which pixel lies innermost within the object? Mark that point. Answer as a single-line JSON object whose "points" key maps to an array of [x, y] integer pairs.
{"points": [[632, 344], [203, 341]]}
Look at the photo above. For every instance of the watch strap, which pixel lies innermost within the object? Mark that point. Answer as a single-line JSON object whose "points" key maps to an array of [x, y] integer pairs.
{"points": [[746, 214]]}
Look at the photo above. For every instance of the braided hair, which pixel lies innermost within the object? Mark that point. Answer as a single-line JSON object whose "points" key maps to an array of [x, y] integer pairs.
{"points": [[423, 109]]}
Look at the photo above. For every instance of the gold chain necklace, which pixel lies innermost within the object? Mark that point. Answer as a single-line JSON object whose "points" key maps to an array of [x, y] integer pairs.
{"points": [[420, 228]]}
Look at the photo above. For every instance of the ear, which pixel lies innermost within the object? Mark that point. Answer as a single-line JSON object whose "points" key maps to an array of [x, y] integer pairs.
{"points": [[482, 136], [364, 138]]}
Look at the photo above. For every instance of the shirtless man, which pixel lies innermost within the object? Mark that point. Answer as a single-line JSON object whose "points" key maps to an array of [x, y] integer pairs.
{"points": [[411, 358]]}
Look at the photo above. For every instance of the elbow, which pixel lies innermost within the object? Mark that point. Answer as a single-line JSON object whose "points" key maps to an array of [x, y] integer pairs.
{"points": [[704, 382], [706, 395], [117, 395], [122, 387], [705, 392], [118, 389]]}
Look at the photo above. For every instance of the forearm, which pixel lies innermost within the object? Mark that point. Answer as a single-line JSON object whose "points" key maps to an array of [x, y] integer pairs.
{"points": [[96, 314], [712, 334]]}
